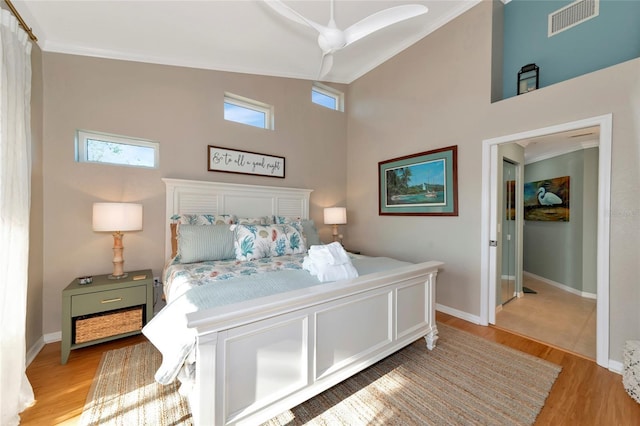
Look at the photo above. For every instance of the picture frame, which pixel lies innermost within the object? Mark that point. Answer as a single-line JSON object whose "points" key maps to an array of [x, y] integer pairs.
{"points": [[422, 184], [548, 200], [229, 160]]}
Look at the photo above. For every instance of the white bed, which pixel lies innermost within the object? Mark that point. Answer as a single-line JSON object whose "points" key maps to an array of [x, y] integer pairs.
{"points": [[258, 358]]}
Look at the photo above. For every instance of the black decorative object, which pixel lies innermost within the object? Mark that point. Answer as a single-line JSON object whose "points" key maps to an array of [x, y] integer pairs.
{"points": [[528, 78]]}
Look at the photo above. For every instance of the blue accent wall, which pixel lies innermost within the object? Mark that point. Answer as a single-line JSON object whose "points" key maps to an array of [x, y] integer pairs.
{"points": [[608, 39]]}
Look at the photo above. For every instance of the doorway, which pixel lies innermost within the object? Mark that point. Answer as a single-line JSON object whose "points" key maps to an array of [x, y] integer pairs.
{"points": [[491, 169]]}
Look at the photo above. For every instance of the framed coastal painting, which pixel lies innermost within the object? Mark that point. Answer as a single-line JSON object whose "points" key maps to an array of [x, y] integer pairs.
{"points": [[422, 184], [547, 200]]}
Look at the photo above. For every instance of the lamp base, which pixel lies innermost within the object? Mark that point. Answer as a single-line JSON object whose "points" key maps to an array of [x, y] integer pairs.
{"points": [[335, 232], [118, 277]]}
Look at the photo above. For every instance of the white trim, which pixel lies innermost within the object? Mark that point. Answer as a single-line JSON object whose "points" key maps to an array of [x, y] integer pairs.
{"points": [[616, 367], [458, 314], [561, 286], [34, 351], [56, 336], [252, 105], [83, 136], [487, 310], [330, 92]]}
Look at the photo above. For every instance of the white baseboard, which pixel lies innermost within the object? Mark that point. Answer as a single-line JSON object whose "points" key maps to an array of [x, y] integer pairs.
{"points": [[616, 366], [34, 351], [458, 314], [56, 336], [561, 286]]}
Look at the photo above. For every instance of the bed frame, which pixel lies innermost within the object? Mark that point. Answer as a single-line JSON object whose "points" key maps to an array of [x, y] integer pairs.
{"points": [[257, 359]]}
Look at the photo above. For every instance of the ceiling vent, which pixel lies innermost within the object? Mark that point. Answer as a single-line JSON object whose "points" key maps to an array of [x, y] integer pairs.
{"points": [[572, 14]]}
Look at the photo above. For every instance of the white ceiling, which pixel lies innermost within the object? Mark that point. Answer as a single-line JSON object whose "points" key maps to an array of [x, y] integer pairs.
{"points": [[544, 147], [243, 36]]}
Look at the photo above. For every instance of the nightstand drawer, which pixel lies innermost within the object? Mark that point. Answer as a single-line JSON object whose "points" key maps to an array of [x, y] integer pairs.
{"points": [[91, 303]]}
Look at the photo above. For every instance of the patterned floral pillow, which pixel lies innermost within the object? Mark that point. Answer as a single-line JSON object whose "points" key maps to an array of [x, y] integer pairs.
{"points": [[258, 241], [306, 226], [260, 220], [203, 219], [285, 219]]}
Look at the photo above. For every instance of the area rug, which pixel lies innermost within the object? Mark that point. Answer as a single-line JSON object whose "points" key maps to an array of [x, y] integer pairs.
{"points": [[124, 392], [465, 380]]}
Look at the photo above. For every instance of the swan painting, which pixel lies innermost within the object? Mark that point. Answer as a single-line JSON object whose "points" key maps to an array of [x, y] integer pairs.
{"points": [[548, 198]]}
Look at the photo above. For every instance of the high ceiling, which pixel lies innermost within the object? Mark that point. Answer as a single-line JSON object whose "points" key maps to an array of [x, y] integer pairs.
{"points": [[243, 36]]}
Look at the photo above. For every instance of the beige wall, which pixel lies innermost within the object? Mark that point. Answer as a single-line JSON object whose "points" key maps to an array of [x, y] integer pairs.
{"points": [[35, 289], [182, 109], [437, 93]]}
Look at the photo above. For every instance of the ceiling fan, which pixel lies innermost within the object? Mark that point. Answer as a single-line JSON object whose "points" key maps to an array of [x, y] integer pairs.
{"points": [[331, 38]]}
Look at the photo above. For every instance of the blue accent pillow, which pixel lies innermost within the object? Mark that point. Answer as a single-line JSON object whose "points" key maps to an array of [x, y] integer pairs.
{"points": [[310, 233], [197, 243]]}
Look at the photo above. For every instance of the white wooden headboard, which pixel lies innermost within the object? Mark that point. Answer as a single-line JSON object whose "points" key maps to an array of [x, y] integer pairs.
{"points": [[202, 197]]}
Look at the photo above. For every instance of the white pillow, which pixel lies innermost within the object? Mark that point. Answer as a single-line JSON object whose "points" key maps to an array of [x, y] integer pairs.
{"points": [[258, 241], [198, 243]]}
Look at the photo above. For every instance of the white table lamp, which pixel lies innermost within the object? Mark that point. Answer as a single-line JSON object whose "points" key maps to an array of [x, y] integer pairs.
{"points": [[335, 216], [117, 218]]}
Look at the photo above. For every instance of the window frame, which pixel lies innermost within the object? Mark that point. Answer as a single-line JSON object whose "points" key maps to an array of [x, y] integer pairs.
{"points": [[325, 90], [251, 104], [81, 141]]}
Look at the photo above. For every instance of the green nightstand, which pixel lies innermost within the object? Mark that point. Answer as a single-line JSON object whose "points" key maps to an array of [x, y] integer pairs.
{"points": [[105, 309]]}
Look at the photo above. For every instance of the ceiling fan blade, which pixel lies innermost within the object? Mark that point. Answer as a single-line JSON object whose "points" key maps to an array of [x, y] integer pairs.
{"points": [[325, 65], [382, 19], [291, 14]]}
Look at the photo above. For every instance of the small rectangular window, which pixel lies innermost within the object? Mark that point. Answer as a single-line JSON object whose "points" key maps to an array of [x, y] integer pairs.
{"points": [[327, 97], [94, 147], [247, 111]]}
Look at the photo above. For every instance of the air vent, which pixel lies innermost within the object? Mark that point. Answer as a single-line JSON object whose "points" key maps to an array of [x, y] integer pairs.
{"points": [[573, 14]]}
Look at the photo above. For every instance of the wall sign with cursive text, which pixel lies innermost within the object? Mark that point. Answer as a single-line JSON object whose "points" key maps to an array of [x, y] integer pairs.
{"points": [[245, 162]]}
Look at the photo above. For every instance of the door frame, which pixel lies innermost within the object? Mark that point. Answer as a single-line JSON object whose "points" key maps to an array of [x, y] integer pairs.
{"points": [[517, 234], [489, 216]]}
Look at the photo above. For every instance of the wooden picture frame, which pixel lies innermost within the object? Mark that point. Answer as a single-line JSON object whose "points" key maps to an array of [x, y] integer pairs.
{"points": [[228, 160], [422, 184], [547, 200]]}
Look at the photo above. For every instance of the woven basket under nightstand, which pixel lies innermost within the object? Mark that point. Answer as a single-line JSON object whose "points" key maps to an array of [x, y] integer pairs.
{"points": [[94, 327]]}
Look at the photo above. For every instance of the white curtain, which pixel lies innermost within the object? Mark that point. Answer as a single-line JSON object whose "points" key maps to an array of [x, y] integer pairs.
{"points": [[15, 192]]}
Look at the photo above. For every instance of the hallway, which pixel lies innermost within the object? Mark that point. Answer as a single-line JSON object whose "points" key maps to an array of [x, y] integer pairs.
{"points": [[552, 316]]}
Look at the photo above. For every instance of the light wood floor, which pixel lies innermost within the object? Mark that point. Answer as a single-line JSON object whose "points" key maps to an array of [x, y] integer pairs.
{"points": [[584, 393], [552, 316]]}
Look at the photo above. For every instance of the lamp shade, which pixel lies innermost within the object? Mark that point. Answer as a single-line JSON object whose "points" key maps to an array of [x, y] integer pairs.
{"points": [[335, 216], [112, 217]]}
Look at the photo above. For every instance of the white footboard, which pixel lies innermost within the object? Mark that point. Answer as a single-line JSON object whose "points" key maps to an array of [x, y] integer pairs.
{"points": [[258, 359]]}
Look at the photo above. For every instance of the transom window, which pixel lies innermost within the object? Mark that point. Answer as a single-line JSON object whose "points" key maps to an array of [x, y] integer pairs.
{"points": [[248, 111], [104, 148], [327, 97]]}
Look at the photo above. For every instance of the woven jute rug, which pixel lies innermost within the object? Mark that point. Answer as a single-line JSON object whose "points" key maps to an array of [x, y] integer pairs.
{"points": [[465, 380], [124, 392]]}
